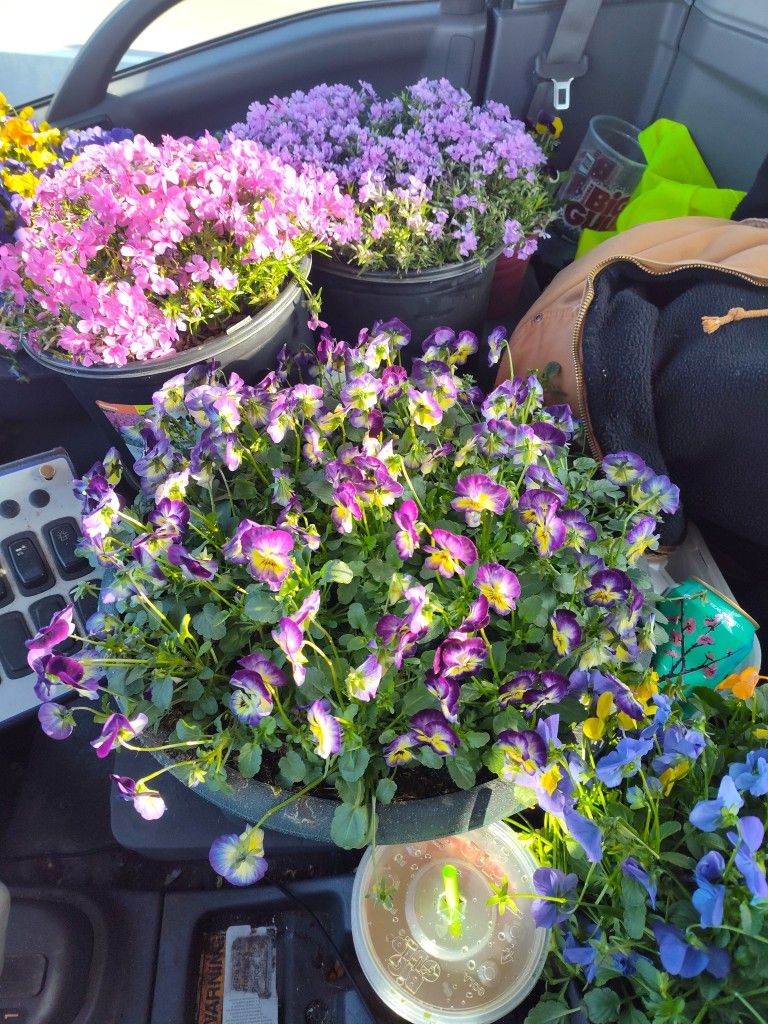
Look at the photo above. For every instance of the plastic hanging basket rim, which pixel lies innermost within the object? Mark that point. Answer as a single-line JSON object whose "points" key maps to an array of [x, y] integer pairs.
{"points": [[137, 369]]}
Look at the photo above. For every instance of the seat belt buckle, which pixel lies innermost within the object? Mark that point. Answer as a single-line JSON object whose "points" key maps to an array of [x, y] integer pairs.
{"points": [[561, 76]]}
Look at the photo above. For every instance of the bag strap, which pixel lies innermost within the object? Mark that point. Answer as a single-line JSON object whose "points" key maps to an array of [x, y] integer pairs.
{"points": [[565, 59]]}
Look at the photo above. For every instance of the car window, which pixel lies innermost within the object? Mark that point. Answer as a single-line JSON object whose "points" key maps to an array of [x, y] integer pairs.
{"points": [[34, 61]]}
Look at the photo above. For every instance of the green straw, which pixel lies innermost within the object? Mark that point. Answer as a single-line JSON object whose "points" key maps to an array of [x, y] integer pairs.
{"points": [[452, 899]]}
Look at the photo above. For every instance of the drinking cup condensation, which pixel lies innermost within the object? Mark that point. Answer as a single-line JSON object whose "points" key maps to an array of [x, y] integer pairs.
{"points": [[605, 172]]}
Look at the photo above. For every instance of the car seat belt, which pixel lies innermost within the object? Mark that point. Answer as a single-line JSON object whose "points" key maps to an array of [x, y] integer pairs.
{"points": [[565, 59]]}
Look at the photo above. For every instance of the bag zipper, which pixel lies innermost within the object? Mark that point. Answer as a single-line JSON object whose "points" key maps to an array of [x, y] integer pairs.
{"points": [[648, 267]]}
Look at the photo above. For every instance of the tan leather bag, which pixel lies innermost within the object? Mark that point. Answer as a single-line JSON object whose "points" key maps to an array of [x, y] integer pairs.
{"points": [[550, 331]]}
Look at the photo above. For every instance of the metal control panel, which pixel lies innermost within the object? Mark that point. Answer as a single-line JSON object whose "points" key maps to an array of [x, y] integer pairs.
{"points": [[39, 567]]}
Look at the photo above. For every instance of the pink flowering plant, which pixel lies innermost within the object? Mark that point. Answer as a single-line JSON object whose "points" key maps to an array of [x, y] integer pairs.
{"points": [[435, 178], [363, 583], [136, 251]]}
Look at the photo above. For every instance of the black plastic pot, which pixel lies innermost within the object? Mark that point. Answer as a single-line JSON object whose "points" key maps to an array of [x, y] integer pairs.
{"points": [[44, 395], [452, 296], [406, 821], [118, 395]]}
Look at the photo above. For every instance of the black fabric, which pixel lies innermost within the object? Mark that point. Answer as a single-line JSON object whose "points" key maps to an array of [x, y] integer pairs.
{"points": [[694, 405], [755, 202]]}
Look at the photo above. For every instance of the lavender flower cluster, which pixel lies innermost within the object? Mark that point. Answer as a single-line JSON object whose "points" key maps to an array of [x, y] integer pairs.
{"points": [[435, 178]]}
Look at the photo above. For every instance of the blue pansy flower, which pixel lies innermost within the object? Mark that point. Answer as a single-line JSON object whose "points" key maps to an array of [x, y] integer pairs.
{"points": [[582, 956], [709, 897], [683, 960], [633, 869], [551, 883], [748, 841], [709, 815], [623, 762], [751, 776]]}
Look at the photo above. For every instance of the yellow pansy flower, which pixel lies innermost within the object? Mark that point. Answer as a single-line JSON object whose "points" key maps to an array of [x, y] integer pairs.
{"points": [[594, 728]]}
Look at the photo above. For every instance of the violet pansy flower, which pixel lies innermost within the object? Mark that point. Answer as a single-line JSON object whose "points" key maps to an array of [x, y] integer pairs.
{"points": [[56, 632], [116, 730], [263, 550], [432, 729], [447, 692], [457, 657], [640, 537], [499, 586], [607, 587], [424, 408], [522, 749], [566, 631], [239, 859], [325, 729], [259, 664], [363, 682], [624, 468], [192, 568], [449, 553], [346, 507], [407, 536], [477, 617], [290, 639], [146, 802], [251, 700], [401, 749], [632, 868], [477, 493], [56, 721]]}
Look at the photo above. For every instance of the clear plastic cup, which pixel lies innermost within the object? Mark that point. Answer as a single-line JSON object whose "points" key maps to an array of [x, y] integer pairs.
{"points": [[407, 950], [605, 172]]}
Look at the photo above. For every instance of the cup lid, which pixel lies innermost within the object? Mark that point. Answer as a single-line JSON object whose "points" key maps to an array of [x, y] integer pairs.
{"points": [[422, 971]]}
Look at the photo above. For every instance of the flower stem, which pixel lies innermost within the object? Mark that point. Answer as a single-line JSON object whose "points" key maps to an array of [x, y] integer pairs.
{"points": [[290, 800]]}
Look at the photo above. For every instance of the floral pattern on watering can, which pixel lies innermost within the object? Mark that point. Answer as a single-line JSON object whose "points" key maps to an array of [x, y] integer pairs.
{"points": [[709, 635]]}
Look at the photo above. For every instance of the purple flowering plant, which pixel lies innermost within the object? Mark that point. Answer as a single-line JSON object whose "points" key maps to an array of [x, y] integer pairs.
{"points": [[662, 914], [363, 582], [435, 178], [135, 251]]}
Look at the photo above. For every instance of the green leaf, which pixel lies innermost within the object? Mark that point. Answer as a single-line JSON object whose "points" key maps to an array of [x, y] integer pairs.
{"points": [[547, 1011], [429, 758], [210, 622], [350, 792], [261, 606], [336, 571], [633, 898], [349, 828], [184, 633], [602, 1006], [352, 764], [634, 1016], [461, 771], [379, 570], [249, 760], [188, 730], [650, 975], [357, 617], [669, 828], [162, 692], [292, 766], [385, 790], [476, 739], [680, 860]]}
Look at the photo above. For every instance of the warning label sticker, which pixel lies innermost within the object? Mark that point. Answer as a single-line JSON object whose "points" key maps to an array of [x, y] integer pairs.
{"points": [[237, 979]]}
